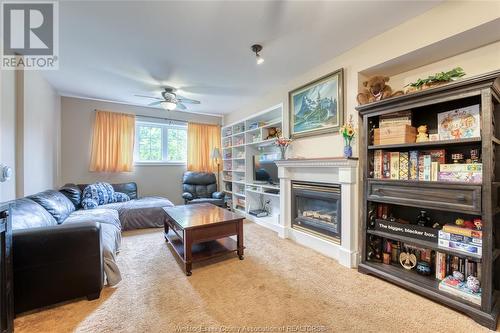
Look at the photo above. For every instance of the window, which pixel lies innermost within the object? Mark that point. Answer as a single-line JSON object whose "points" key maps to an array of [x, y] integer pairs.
{"points": [[160, 142]]}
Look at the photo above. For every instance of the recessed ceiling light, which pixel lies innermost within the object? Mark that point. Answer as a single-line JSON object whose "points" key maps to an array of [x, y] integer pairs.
{"points": [[256, 48]]}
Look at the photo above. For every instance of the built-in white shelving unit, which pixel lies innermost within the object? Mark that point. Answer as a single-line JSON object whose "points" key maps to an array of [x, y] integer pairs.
{"points": [[241, 141]]}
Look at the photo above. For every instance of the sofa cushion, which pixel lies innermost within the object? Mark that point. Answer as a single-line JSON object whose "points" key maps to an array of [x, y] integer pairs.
{"points": [[99, 215], [146, 212], [56, 203], [28, 214], [73, 193], [101, 192], [110, 237]]}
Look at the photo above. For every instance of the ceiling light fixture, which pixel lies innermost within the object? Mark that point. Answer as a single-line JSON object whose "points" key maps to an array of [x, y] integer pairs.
{"points": [[256, 48], [167, 105]]}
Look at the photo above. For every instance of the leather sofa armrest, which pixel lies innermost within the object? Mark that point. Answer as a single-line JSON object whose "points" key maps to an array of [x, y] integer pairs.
{"points": [[187, 196], [57, 243], [218, 195], [57, 263]]}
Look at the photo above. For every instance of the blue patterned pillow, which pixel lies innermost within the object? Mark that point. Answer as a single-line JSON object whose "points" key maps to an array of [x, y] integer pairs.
{"points": [[121, 197], [89, 203], [102, 193]]}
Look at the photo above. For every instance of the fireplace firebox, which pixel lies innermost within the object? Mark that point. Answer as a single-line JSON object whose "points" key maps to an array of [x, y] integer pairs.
{"points": [[316, 209]]}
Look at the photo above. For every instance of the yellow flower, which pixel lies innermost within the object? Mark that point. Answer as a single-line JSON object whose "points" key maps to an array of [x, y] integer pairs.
{"points": [[350, 132]]}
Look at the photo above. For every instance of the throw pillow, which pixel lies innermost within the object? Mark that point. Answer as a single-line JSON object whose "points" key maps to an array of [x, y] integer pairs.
{"points": [[121, 197], [89, 203], [102, 193]]}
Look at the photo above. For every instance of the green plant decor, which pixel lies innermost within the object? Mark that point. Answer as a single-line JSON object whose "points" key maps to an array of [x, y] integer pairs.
{"points": [[442, 77]]}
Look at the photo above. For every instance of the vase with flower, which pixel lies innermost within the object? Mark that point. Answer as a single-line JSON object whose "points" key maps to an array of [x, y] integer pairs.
{"points": [[283, 144], [348, 132]]}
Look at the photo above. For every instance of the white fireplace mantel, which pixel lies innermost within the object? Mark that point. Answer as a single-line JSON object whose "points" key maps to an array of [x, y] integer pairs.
{"points": [[338, 171]]}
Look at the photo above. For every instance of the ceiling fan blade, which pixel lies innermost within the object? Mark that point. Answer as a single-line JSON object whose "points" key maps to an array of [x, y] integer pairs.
{"points": [[158, 98], [187, 100], [181, 106], [155, 103]]}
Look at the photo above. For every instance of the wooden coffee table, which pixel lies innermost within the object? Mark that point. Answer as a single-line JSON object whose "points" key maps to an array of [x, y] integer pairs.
{"points": [[201, 231]]}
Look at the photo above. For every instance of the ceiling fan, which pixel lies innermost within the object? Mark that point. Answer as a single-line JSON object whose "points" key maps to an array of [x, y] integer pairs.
{"points": [[171, 100]]}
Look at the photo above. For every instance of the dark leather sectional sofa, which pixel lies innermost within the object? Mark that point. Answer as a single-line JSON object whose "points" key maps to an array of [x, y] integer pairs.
{"points": [[62, 252]]}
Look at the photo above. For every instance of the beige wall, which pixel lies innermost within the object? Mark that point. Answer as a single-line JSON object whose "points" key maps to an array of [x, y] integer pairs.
{"points": [[437, 25], [41, 132], [77, 124], [7, 131], [29, 133], [414, 34], [481, 60]]}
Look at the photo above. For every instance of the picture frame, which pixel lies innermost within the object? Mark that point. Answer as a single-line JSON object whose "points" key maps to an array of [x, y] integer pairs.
{"points": [[317, 107]]}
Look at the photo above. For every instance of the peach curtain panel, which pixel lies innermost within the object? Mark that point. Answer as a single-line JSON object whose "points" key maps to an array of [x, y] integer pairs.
{"points": [[202, 139], [113, 142]]}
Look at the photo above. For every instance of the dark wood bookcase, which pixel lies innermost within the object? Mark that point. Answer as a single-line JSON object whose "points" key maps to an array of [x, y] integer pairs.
{"points": [[481, 200], [6, 287]]}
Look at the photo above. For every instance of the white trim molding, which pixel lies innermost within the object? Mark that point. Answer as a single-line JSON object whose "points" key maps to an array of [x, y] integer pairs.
{"points": [[338, 171]]}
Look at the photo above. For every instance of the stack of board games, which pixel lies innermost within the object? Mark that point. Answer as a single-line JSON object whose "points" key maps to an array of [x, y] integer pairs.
{"points": [[423, 165], [465, 240]]}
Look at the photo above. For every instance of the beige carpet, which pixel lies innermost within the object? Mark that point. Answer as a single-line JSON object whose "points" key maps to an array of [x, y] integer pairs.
{"points": [[279, 284]]}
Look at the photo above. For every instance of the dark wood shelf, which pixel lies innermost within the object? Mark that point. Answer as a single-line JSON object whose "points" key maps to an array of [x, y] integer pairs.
{"points": [[412, 280], [419, 182], [205, 250], [425, 244], [418, 145], [478, 200]]}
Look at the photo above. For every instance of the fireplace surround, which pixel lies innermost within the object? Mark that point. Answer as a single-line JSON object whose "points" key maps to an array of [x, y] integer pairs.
{"points": [[316, 209], [334, 172]]}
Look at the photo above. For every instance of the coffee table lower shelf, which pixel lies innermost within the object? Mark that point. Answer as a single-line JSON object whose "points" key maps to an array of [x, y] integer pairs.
{"points": [[202, 251]]}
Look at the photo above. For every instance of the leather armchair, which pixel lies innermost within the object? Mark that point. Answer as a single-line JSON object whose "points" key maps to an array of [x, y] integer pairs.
{"points": [[201, 187], [56, 263]]}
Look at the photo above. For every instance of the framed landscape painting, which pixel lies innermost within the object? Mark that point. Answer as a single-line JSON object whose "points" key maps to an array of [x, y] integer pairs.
{"points": [[317, 107]]}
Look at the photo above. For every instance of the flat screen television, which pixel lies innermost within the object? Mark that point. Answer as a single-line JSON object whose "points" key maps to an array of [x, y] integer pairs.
{"points": [[264, 169]]}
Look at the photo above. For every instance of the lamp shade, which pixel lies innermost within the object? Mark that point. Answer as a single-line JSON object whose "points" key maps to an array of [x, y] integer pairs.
{"points": [[167, 105], [215, 154]]}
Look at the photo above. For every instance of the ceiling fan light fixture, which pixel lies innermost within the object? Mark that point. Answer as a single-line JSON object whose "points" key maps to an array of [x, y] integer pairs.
{"points": [[256, 48], [260, 60], [167, 105]]}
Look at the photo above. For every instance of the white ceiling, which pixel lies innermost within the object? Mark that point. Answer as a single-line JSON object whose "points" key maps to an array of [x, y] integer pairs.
{"points": [[112, 50]]}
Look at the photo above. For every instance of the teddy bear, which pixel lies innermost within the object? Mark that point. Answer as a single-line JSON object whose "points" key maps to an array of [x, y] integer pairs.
{"points": [[273, 132], [376, 89]]}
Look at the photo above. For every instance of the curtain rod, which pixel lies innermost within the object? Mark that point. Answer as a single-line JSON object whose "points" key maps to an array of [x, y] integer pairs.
{"points": [[139, 115]]}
